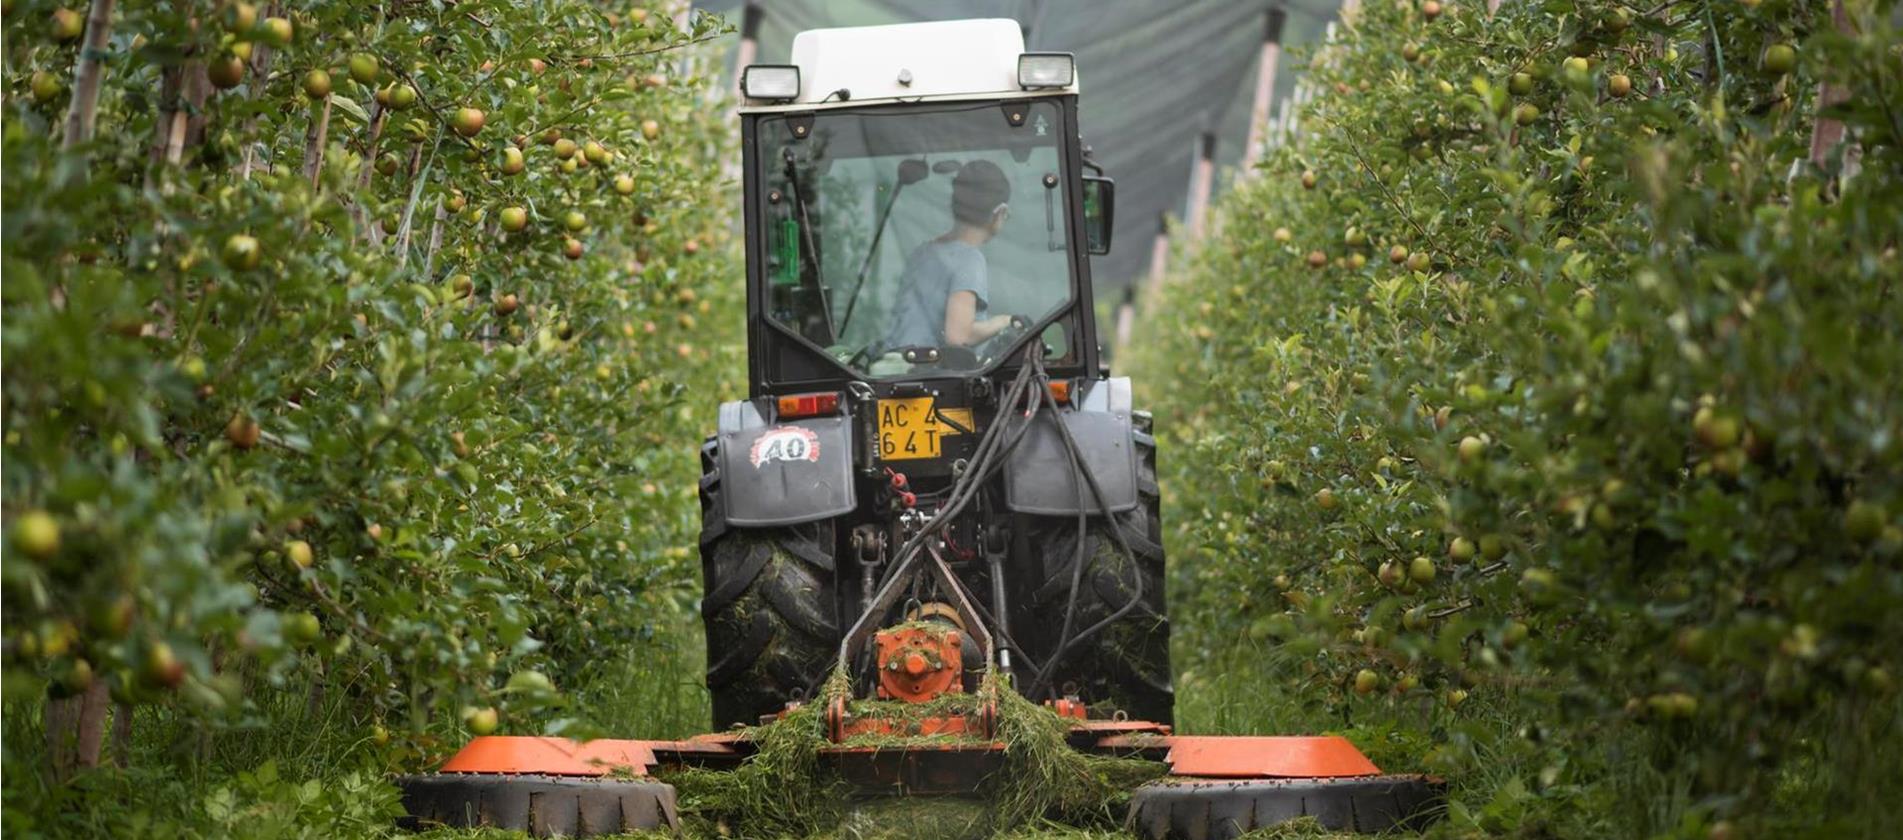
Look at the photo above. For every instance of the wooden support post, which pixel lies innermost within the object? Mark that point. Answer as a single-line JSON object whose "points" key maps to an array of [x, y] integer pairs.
{"points": [[1264, 88], [1202, 180], [88, 73]]}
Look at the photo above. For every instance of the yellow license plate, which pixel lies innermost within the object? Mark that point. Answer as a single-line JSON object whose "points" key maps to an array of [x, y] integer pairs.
{"points": [[909, 428]]}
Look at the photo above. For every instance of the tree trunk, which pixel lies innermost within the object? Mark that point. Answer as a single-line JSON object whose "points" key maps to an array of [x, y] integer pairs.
{"points": [[88, 74], [75, 727], [1826, 133], [435, 239], [314, 143]]}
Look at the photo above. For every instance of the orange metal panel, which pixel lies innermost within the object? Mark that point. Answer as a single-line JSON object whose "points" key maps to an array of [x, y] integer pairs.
{"points": [[1255, 757], [553, 756]]}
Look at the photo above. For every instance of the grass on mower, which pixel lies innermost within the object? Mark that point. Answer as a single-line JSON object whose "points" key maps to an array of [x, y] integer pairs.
{"points": [[782, 791]]}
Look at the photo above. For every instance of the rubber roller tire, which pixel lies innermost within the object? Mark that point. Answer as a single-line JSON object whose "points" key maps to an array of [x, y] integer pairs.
{"points": [[543, 806], [1214, 810], [769, 608]]}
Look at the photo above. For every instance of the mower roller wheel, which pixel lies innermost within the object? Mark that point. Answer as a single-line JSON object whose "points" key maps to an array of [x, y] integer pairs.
{"points": [[1213, 810], [769, 607], [543, 806]]}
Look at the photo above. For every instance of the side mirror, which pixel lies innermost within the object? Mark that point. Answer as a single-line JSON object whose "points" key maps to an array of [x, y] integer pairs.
{"points": [[1100, 206]]}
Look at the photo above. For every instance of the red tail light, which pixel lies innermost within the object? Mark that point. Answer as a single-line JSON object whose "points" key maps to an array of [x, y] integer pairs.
{"points": [[809, 405]]}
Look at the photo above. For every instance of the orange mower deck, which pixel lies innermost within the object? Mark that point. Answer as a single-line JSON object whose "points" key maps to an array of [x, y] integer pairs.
{"points": [[1217, 786]]}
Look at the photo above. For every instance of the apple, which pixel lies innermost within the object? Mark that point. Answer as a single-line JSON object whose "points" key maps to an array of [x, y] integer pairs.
{"points": [[1309, 179], [1520, 84], [317, 84], [1619, 85], [74, 679], [506, 305], [1317, 259], [46, 86], [512, 161], [402, 96], [302, 628], [1471, 449], [1715, 430], [463, 284], [650, 129], [1578, 71], [530, 682], [299, 553], [277, 31], [1421, 570], [468, 122], [363, 68], [242, 252], [1430, 9], [1514, 634], [1284, 235], [594, 152], [624, 184], [36, 534], [1389, 574], [514, 219], [160, 668], [1863, 521], [1326, 499], [387, 164], [574, 220], [1525, 113], [481, 721], [1455, 697], [242, 431], [572, 248], [68, 25], [1493, 547], [1366, 681], [240, 19], [1419, 261], [1779, 59], [1397, 254], [225, 71]]}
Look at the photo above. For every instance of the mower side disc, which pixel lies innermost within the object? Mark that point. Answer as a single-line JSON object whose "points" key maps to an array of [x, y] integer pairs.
{"points": [[1223, 810], [544, 806]]}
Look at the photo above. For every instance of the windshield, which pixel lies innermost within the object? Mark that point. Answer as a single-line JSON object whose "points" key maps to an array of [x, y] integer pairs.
{"points": [[920, 238]]}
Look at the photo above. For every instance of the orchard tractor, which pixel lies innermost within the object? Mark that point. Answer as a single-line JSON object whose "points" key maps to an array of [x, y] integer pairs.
{"points": [[936, 509]]}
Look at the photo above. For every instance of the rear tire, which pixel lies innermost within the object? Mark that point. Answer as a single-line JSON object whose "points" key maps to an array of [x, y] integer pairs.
{"points": [[769, 608], [1127, 664]]}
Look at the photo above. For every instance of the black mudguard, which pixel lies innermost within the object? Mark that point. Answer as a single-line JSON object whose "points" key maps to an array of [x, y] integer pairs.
{"points": [[783, 473], [1040, 478]]}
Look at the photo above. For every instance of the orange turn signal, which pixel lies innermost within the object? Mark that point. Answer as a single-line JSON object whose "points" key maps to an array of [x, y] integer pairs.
{"points": [[809, 405], [1060, 391]]}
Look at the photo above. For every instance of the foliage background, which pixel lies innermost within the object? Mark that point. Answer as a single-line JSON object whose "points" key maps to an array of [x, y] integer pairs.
{"points": [[1664, 583], [1541, 432], [496, 505]]}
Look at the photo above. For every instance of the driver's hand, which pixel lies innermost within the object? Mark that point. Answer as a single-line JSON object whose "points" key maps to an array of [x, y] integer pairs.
{"points": [[998, 323]]}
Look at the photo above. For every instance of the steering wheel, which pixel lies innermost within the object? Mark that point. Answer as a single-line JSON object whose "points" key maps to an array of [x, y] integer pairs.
{"points": [[990, 348]]}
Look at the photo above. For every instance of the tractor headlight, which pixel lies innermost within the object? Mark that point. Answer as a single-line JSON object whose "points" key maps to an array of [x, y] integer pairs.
{"points": [[1046, 70], [779, 82]]}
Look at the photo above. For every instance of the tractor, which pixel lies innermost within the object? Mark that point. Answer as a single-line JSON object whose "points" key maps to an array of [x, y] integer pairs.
{"points": [[934, 489]]}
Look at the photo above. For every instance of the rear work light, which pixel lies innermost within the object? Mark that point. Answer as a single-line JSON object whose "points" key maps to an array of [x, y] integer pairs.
{"points": [[771, 82], [808, 405], [1046, 70]]}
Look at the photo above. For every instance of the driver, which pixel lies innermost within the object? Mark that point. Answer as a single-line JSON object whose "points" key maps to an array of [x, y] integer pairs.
{"points": [[946, 285]]}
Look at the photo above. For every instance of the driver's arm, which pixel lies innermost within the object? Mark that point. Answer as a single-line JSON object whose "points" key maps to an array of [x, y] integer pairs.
{"points": [[962, 327]]}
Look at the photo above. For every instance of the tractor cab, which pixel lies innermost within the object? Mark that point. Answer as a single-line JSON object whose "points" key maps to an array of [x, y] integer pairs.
{"points": [[918, 211]]}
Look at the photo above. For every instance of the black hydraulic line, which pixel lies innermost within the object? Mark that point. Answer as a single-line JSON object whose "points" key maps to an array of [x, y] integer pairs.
{"points": [[1123, 546]]}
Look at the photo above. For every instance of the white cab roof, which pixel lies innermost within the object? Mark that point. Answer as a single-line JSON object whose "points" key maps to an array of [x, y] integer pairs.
{"points": [[953, 59]]}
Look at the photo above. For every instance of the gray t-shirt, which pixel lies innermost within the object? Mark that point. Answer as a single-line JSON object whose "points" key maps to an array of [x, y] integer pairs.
{"points": [[933, 272]]}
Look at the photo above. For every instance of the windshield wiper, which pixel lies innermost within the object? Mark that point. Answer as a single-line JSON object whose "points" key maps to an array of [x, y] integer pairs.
{"points": [[911, 171], [809, 253]]}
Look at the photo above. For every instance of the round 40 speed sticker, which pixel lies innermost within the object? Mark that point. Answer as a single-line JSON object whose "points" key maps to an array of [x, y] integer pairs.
{"points": [[785, 443]]}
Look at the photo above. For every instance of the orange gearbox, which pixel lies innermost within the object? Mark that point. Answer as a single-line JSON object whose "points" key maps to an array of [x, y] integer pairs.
{"points": [[919, 661]]}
